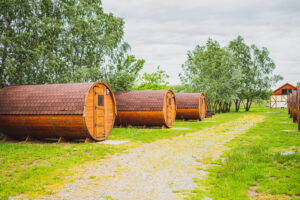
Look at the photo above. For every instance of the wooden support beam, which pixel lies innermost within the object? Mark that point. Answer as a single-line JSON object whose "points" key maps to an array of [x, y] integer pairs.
{"points": [[7, 138], [121, 126], [163, 127], [62, 140], [144, 127], [88, 140], [29, 138]]}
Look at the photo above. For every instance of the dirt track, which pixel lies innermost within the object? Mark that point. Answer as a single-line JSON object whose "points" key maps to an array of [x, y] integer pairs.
{"points": [[156, 170]]}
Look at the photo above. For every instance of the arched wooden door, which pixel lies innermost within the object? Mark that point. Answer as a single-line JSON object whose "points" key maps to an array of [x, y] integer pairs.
{"points": [[100, 111], [169, 113], [202, 107]]}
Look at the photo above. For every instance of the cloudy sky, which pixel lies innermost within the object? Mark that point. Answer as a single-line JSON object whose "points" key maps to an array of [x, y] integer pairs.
{"points": [[162, 31]]}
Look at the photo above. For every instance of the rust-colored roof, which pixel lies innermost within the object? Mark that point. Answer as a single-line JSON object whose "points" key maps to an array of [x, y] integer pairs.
{"points": [[140, 100], [188, 100], [54, 99], [287, 84]]}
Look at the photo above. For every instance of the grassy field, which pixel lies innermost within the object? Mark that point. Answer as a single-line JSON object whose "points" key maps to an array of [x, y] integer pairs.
{"points": [[29, 168], [253, 161], [264, 163]]}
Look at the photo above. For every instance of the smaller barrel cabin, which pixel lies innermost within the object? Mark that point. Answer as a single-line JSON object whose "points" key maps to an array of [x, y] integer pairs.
{"points": [[146, 108], [65, 111], [294, 110], [289, 103], [298, 107], [278, 99], [190, 106]]}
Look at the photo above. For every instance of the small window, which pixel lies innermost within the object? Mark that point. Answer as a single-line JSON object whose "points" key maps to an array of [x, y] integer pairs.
{"points": [[290, 91], [100, 100], [284, 91], [169, 101]]}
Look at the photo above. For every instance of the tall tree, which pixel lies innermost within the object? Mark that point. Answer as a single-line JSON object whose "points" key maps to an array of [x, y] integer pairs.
{"points": [[211, 69], [53, 41], [154, 81], [257, 72]]}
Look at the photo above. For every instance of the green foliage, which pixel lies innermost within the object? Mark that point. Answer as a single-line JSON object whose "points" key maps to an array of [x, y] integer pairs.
{"points": [[61, 41], [298, 83], [229, 74], [257, 71], [256, 159], [212, 70], [178, 88], [154, 81]]}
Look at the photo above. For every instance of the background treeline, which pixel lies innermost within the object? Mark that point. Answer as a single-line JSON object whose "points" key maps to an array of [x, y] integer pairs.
{"points": [[59, 41], [232, 75]]}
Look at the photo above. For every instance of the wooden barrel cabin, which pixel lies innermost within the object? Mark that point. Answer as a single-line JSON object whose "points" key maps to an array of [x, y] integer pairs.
{"points": [[65, 111], [146, 108], [289, 103], [190, 106], [298, 107], [294, 106]]}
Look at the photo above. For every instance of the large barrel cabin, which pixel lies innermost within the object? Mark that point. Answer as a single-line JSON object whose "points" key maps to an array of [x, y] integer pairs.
{"points": [[191, 106], [146, 108], [65, 111]]}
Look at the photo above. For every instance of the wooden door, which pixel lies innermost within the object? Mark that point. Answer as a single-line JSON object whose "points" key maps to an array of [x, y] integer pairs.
{"points": [[169, 109], [100, 103]]}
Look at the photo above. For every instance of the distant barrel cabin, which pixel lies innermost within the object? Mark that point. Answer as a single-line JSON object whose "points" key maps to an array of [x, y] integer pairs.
{"points": [[65, 111], [191, 106], [279, 97], [146, 108]]}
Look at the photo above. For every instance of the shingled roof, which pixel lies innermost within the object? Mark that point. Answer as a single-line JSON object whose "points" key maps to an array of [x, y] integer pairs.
{"points": [[52, 99], [140, 100], [188, 100]]}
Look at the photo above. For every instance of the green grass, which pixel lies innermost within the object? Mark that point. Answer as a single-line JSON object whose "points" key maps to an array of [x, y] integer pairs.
{"points": [[28, 168], [255, 159], [138, 134], [36, 169]]}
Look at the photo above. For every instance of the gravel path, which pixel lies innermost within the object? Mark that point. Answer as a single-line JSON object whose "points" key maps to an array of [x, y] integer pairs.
{"points": [[155, 170]]}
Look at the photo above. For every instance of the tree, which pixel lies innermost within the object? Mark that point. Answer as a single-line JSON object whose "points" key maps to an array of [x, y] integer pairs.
{"points": [[257, 72], [153, 81], [53, 41], [211, 69], [298, 83]]}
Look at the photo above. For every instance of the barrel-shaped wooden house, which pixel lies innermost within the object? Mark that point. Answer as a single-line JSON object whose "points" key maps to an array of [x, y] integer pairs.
{"points": [[146, 108], [190, 106], [298, 107], [294, 106], [289, 103], [65, 111]]}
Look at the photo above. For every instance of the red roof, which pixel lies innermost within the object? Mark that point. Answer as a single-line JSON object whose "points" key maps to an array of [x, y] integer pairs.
{"points": [[188, 100], [54, 99], [287, 84], [140, 100]]}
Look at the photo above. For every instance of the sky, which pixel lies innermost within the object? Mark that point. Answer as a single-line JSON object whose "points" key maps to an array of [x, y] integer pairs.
{"points": [[162, 31]]}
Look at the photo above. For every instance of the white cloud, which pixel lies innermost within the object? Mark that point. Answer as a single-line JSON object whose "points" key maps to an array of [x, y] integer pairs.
{"points": [[163, 31]]}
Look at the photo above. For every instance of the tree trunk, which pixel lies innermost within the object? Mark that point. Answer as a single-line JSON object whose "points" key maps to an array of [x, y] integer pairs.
{"points": [[229, 106], [237, 105], [248, 105]]}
